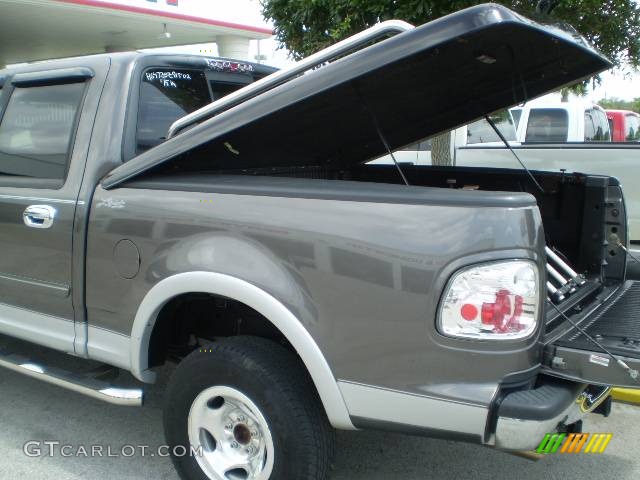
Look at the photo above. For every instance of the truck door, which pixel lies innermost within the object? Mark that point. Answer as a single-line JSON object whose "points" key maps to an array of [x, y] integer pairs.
{"points": [[45, 126]]}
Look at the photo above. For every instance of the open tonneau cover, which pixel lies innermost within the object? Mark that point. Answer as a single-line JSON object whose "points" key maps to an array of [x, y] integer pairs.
{"points": [[431, 79]]}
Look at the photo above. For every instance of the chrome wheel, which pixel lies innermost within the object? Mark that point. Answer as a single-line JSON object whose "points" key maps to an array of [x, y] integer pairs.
{"points": [[234, 437]]}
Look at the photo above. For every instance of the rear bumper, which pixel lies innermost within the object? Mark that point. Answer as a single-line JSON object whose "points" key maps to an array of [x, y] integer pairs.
{"points": [[524, 417]]}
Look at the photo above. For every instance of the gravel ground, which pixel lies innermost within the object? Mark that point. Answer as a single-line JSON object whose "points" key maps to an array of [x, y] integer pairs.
{"points": [[33, 410]]}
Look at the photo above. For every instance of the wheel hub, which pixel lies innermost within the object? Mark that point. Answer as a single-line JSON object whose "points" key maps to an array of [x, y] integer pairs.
{"points": [[234, 436], [242, 434]]}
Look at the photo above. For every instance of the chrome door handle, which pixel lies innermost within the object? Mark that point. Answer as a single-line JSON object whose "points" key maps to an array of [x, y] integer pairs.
{"points": [[39, 216]]}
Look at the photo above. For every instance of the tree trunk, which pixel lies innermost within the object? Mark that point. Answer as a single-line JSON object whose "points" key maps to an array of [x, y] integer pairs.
{"points": [[441, 150]]}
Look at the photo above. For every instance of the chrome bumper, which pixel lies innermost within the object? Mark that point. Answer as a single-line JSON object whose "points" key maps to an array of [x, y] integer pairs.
{"points": [[527, 433]]}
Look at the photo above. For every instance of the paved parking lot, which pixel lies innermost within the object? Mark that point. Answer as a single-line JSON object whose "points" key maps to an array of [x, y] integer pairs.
{"points": [[32, 410]]}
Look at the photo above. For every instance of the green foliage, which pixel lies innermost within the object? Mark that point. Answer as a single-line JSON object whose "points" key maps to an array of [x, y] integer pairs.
{"points": [[614, 103], [306, 26]]}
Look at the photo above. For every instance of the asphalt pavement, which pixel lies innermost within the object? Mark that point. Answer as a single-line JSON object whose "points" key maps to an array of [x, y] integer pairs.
{"points": [[34, 411]]}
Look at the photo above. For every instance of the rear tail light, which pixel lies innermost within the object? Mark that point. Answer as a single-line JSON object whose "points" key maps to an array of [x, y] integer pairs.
{"points": [[491, 301]]}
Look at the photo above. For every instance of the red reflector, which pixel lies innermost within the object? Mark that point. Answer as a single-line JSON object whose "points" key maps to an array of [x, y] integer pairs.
{"points": [[487, 313], [468, 311], [495, 313]]}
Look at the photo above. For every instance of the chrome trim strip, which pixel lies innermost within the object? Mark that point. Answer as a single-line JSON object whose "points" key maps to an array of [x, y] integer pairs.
{"points": [[376, 403], [40, 199], [53, 332], [60, 289], [85, 385], [259, 300]]}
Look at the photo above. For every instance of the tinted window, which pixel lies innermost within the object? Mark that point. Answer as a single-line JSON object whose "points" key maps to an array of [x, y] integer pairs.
{"points": [[603, 132], [589, 126], [516, 113], [423, 146], [596, 126], [220, 89], [166, 95], [547, 125], [632, 127], [37, 129], [482, 132]]}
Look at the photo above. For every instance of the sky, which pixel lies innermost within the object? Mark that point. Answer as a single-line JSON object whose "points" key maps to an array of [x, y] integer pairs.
{"points": [[247, 12], [616, 84]]}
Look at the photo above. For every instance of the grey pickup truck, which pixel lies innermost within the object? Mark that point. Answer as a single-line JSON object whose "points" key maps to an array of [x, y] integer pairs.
{"points": [[298, 288]]}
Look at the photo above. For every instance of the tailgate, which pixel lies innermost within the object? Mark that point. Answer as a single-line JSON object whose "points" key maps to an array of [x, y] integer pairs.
{"points": [[615, 325]]}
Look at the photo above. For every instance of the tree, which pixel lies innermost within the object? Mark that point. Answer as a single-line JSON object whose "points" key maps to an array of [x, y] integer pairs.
{"points": [[306, 26], [619, 104]]}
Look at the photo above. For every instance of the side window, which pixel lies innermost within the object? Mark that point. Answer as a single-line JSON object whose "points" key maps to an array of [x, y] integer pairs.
{"points": [[589, 126], [596, 126], [481, 132], [516, 113], [422, 146], [37, 130], [632, 124], [603, 132], [167, 94], [547, 125]]}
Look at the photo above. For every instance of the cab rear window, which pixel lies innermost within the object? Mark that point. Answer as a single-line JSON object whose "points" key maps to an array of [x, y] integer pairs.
{"points": [[547, 125], [166, 94]]}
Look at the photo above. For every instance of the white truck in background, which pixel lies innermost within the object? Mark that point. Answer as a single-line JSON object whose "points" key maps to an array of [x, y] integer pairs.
{"points": [[466, 142], [561, 122], [477, 145]]}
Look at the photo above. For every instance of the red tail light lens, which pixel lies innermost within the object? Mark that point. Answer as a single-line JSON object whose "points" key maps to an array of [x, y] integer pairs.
{"points": [[469, 312], [492, 301]]}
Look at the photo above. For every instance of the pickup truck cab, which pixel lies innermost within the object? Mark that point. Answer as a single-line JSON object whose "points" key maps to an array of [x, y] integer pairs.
{"points": [[625, 125], [298, 288], [561, 122]]}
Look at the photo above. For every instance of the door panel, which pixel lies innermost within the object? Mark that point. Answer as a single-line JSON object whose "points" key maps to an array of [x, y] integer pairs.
{"points": [[47, 117], [35, 263]]}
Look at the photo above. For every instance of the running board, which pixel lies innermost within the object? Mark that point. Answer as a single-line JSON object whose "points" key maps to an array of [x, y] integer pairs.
{"points": [[85, 384]]}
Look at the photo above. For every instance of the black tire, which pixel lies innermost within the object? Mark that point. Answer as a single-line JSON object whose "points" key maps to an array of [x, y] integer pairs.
{"points": [[275, 380]]}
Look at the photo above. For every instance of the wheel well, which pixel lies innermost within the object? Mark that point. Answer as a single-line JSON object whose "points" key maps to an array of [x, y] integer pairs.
{"points": [[187, 319]]}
